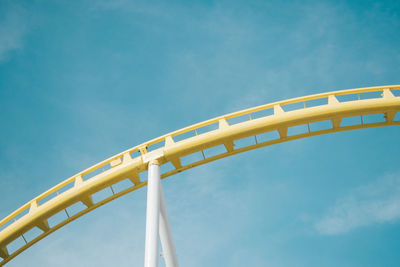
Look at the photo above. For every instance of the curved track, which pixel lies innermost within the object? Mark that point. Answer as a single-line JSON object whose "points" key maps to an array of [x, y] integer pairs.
{"points": [[199, 144]]}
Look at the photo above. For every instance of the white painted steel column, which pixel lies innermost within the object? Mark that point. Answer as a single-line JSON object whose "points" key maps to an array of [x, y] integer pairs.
{"points": [[152, 215], [167, 242]]}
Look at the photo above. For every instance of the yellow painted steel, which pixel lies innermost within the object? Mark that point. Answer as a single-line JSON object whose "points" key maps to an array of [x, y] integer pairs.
{"points": [[175, 147]]}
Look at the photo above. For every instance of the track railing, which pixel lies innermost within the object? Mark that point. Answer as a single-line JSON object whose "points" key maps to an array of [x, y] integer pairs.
{"points": [[196, 145]]}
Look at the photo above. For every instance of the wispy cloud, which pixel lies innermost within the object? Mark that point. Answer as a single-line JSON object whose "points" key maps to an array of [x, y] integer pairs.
{"points": [[377, 202], [13, 28]]}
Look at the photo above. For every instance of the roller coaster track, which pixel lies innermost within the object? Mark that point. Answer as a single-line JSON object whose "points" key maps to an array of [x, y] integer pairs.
{"points": [[199, 144]]}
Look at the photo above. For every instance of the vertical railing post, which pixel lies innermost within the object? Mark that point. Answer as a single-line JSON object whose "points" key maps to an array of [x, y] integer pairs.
{"points": [[152, 215]]}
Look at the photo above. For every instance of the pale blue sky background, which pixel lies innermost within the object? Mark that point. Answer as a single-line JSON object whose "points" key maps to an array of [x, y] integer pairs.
{"points": [[82, 81]]}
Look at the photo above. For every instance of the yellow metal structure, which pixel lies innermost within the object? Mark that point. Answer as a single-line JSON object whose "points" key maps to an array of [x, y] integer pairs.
{"points": [[173, 148]]}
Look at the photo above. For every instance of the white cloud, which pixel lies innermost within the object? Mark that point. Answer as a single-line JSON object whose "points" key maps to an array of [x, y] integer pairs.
{"points": [[12, 30], [377, 202]]}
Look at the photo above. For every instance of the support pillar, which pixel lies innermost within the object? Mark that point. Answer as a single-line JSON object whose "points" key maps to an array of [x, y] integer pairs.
{"points": [[167, 242], [152, 215]]}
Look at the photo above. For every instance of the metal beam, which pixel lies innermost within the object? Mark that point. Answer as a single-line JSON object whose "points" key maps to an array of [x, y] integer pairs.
{"points": [[167, 242], [152, 215]]}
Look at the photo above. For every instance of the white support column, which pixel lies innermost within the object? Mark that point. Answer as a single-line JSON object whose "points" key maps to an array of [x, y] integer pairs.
{"points": [[167, 242], [152, 215]]}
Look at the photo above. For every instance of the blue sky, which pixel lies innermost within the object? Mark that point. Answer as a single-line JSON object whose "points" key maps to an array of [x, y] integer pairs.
{"points": [[82, 81]]}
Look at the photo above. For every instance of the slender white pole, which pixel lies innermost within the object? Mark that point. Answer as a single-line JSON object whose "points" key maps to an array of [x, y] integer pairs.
{"points": [[152, 215], [167, 241]]}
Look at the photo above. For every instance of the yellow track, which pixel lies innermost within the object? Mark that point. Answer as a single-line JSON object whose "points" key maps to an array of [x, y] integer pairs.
{"points": [[198, 139]]}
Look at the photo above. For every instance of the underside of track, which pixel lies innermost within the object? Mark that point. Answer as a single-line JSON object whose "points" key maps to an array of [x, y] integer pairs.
{"points": [[199, 144]]}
